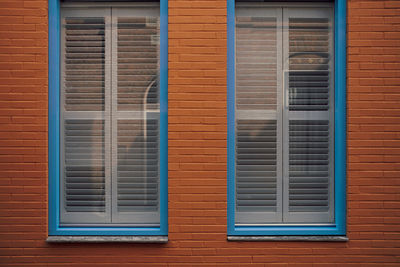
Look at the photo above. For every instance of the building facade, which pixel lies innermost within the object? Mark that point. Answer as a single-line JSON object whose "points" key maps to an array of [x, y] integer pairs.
{"points": [[195, 191]]}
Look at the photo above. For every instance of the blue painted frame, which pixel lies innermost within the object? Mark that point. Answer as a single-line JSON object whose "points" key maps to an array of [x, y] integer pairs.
{"points": [[339, 227], [54, 134]]}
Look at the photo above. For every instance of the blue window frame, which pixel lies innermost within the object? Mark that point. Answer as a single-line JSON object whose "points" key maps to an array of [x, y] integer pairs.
{"points": [[338, 227], [54, 135]]}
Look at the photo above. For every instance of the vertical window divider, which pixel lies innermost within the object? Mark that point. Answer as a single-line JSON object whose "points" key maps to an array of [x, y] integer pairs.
{"points": [[114, 144], [108, 111], [282, 108]]}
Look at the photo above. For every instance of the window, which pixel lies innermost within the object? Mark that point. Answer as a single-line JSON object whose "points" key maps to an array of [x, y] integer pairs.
{"points": [[109, 140], [284, 120]]}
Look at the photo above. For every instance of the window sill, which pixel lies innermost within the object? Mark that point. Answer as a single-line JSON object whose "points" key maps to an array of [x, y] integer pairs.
{"points": [[107, 239], [289, 238]]}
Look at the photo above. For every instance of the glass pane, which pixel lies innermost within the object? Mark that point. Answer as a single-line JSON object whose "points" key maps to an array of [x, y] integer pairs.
{"points": [[84, 120], [256, 63], [308, 166], [138, 173], [84, 59], [309, 63], [136, 118], [138, 63], [84, 166], [256, 125]]}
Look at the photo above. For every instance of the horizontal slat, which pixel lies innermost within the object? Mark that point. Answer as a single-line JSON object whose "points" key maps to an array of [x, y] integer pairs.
{"points": [[256, 166], [309, 166], [84, 59], [256, 58], [137, 52], [309, 64], [84, 174], [137, 165]]}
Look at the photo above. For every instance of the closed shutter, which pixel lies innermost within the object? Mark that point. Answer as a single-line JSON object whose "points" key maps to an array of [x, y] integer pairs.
{"points": [[258, 123], [137, 156], [110, 115], [84, 165], [136, 115], [284, 100], [85, 72], [309, 157]]}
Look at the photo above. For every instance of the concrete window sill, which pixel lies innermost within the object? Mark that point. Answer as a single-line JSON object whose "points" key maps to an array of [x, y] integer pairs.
{"points": [[290, 238], [107, 239]]}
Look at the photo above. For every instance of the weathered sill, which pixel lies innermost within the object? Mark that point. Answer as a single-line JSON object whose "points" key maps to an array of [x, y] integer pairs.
{"points": [[107, 239], [290, 238]]}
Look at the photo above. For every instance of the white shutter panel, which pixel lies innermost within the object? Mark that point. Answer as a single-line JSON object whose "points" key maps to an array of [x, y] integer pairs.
{"points": [[258, 124], [136, 115], [85, 76], [84, 165], [308, 117]]}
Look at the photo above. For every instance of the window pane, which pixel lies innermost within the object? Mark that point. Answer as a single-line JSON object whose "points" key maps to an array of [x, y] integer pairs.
{"points": [[84, 166], [256, 77], [309, 58], [257, 125], [84, 59], [85, 73], [138, 63], [136, 116], [308, 166], [138, 165]]}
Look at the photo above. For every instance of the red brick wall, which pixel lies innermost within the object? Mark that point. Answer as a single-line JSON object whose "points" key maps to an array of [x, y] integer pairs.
{"points": [[197, 146]]}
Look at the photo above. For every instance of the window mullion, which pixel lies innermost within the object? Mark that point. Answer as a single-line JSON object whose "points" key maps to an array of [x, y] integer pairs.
{"points": [[114, 115], [285, 113], [108, 113], [281, 50]]}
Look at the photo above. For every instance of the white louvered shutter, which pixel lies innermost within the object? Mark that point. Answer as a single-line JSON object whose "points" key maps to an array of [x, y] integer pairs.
{"points": [[110, 116], [136, 115], [258, 123], [308, 123], [284, 101], [85, 81]]}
